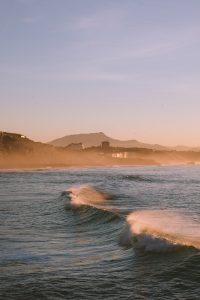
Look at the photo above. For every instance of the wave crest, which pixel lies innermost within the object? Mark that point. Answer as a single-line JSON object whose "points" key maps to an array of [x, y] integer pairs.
{"points": [[163, 229], [91, 202], [86, 195]]}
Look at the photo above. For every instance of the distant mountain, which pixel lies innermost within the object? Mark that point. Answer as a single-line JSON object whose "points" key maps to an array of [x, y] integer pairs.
{"points": [[95, 139], [18, 151], [13, 142]]}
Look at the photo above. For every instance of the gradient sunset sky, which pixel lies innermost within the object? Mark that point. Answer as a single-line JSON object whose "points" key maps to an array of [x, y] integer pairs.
{"points": [[129, 68]]}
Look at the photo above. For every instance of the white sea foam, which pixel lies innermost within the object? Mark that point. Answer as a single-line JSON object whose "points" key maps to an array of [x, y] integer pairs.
{"points": [[87, 195], [163, 229]]}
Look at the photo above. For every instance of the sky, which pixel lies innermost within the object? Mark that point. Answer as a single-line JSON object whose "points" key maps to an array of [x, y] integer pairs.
{"points": [[128, 68]]}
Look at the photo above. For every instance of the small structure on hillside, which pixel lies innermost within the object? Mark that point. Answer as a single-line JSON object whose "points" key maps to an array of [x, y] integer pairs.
{"points": [[11, 135], [105, 145], [75, 146]]}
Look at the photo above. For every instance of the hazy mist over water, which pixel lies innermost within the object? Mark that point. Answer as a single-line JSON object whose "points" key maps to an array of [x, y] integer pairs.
{"points": [[100, 233]]}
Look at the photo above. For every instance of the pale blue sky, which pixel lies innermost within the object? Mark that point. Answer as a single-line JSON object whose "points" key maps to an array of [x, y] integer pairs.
{"points": [[129, 68]]}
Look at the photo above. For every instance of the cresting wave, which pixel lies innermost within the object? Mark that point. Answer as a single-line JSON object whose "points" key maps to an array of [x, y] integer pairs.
{"points": [[152, 230], [93, 205], [163, 230], [86, 195]]}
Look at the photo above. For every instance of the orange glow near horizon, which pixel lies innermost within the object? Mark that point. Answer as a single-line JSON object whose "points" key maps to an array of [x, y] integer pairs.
{"points": [[81, 71]]}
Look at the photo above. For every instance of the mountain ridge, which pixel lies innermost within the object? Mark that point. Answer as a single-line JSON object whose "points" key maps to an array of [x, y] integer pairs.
{"points": [[95, 139], [18, 151]]}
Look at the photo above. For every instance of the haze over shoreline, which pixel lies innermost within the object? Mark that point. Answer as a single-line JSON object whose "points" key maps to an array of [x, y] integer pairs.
{"points": [[95, 149]]}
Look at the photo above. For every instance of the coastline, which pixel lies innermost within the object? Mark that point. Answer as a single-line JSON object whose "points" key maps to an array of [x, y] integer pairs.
{"points": [[66, 166], [54, 160]]}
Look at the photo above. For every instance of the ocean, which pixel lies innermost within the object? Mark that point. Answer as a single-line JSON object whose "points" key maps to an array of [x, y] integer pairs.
{"points": [[100, 233]]}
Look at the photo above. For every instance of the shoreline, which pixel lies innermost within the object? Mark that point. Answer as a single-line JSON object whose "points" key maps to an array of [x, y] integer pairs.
{"points": [[73, 167], [65, 167], [61, 160]]}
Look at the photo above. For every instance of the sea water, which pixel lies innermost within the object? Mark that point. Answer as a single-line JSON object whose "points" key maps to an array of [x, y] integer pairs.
{"points": [[100, 233]]}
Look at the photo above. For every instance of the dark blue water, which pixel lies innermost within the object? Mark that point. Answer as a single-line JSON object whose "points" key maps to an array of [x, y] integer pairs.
{"points": [[64, 233]]}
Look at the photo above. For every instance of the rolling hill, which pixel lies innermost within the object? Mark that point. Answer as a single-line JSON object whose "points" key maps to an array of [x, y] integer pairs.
{"points": [[95, 139]]}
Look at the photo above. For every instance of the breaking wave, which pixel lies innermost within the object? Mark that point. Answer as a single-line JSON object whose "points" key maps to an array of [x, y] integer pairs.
{"points": [[92, 208], [161, 230], [87, 195], [92, 200], [152, 230]]}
